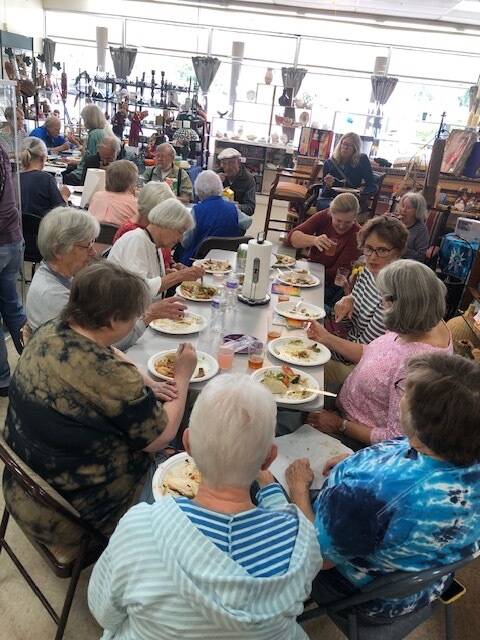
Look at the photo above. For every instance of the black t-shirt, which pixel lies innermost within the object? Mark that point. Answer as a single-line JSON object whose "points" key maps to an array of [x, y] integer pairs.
{"points": [[39, 192]]}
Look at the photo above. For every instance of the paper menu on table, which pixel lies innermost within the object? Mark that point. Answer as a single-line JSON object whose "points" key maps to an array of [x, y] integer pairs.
{"points": [[309, 443]]}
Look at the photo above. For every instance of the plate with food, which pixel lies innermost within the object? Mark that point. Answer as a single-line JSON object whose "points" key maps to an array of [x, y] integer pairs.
{"points": [[162, 365], [288, 386], [298, 278], [281, 260], [196, 291], [178, 477], [213, 266], [300, 351], [299, 311], [190, 323]]}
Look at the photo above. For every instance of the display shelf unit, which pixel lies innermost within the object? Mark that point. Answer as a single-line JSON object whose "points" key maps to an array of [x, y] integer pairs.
{"points": [[12, 45]]}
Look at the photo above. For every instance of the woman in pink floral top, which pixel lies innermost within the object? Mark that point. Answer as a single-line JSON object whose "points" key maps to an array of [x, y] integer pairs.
{"points": [[368, 404]]}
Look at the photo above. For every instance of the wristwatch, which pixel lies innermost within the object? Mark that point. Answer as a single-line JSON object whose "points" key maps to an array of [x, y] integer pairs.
{"points": [[343, 427]]}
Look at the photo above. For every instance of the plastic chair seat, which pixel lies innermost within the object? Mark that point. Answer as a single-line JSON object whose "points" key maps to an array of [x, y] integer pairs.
{"points": [[290, 191]]}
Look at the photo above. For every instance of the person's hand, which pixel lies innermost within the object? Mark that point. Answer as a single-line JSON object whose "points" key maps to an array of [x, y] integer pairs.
{"points": [[329, 180], [170, 308], [325, 421], [192, 273], [317, 332], [332, 462], [323, 242], [186, 361], [164, 391], [344, 308], [265, 477], [178, 266], [65, 192], [299, 476], [72, 161]]}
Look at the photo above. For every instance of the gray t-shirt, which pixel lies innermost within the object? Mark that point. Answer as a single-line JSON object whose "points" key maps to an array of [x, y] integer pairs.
{"points": [[49, 293]]}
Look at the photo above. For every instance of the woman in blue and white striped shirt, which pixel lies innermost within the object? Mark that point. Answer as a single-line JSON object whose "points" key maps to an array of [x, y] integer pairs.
{"points": [[216, 566]]}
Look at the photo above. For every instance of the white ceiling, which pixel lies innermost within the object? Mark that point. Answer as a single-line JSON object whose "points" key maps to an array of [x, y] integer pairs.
{"points": [[457, 11]]}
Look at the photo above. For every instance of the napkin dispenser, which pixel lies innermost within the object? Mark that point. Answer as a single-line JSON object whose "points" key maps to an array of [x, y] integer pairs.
{"points": [[257, 272], [94, 181]]}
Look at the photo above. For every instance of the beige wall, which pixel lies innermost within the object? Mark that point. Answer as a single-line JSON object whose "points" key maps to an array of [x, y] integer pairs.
{"points": [[24, 17]]}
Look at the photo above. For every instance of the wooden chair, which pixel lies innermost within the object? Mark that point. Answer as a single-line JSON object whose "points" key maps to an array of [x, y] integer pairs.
{"points": [[437, 225], [295, 192], [63, 561], [218, 242]]}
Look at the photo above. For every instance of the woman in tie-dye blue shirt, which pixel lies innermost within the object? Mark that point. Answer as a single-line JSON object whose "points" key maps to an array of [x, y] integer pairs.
{"points": [[408, 504]]}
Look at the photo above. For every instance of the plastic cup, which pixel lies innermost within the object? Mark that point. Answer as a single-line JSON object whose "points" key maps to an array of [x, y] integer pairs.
{"points": [[273, 330], [225, 356], [332, 249], [256, 353], [341, 277]]}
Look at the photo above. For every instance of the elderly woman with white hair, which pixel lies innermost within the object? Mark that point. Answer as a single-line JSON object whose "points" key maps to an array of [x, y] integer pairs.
{"points": [[368, 403], [118, 202], [95, 124], [166, 171], [214, 216], [66, 240], [38, 189], [215, 566], [138, 250], [412, 211]]}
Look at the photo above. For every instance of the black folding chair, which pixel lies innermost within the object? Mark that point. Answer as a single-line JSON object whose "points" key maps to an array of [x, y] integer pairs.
{"points": [[107, 233], [217, 242], [348, 616], [30, 225]]}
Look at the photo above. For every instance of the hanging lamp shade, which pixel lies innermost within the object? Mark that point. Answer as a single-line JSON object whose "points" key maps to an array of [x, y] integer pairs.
{"points": [[48, 54], [382, 88], [205, 68], [292, 78], [123, 59]]}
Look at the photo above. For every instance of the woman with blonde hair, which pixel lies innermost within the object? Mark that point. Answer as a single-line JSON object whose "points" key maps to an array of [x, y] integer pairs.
{"points": [[95, 124], [38, 189], [117, 203], [412, 211], [347, 168], [331, 238]]}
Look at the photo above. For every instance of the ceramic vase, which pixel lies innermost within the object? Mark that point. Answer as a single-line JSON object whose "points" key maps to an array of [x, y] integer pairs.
{"points": [[269, 75]]}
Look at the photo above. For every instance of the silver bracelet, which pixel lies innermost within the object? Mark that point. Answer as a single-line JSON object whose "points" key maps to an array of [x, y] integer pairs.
{"points": [[343, 428]]}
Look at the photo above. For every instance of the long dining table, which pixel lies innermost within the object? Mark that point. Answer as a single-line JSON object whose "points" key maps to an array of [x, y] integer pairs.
{"points": [[248, 320]]}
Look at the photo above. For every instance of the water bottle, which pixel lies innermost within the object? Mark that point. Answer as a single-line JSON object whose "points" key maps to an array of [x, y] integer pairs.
{"points": [[212, 338], [231, 290], [58, 179]]}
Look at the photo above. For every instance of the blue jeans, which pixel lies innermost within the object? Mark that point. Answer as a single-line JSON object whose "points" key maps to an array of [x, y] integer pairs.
{"points": [[11, 309]]}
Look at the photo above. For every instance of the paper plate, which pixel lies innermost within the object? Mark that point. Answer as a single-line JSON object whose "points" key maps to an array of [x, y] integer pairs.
{"points": [[191, 323], [289, 261], [281, 348], [185, 294], [309, 381], [204, 360], [222, 266], [163, 469], [290, 276], [304, 312]]}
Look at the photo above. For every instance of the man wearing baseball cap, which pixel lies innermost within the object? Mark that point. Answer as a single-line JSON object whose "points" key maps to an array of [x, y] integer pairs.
{"points": [[235, 175]]}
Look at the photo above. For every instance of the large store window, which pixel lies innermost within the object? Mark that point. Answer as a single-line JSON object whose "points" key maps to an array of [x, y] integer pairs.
{"points": [[80, 26], [167, 36]]}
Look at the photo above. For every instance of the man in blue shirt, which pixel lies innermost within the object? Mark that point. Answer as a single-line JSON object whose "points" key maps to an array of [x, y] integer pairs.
{"points": [[50, 134], [409, 504]]}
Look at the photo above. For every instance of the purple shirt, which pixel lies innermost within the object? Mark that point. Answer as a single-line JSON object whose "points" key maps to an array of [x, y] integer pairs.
{"points": [[10, 230], [368, 394]]}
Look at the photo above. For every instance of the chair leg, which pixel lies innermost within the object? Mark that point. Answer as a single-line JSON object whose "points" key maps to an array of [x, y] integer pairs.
{"points": [[449, 629], [77, 569], [3, 527], [268, 215]]}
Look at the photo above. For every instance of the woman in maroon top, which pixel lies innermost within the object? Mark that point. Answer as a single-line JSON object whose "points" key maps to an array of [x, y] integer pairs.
{"points": [[331, 236]]}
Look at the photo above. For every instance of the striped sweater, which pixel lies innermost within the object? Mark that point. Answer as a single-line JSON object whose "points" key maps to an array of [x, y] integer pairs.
{"points": [[160, 578]]}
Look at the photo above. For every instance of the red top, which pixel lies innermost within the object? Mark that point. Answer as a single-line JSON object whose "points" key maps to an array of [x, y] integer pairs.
{"points": [[130, 226], [346, 252]]}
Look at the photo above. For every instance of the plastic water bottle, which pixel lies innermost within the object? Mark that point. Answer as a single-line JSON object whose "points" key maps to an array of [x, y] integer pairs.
{"points": [[212, 338], [231, 290], [58, 179]]}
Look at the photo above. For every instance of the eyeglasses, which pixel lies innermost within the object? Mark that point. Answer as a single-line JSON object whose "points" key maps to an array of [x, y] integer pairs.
{"points": [[400, 386], [88, 246], [381, 252]]}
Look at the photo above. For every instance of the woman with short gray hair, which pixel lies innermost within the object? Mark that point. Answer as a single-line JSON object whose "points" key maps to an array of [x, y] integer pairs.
{"points": [[38, 189], [65, 240], [138, 250], [214, 216], [117, 203], [368, 403], [220, 544], [412, 211], [95, 124]]}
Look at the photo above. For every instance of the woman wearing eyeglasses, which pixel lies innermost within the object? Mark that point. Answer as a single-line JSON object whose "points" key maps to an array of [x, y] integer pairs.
{"points": [[382, 240], [413, 310]]}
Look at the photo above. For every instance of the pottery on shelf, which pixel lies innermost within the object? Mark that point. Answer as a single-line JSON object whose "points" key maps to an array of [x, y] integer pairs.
{"points": [[275, 138], [251, 96], [269, 75], [299, 103]]}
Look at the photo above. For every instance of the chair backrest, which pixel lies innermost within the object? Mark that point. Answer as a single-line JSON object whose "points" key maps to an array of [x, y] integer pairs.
{"points": [[399, 584], [379, 178], [30, 225], [40, 491], [217, 242], [436, 224], [107, 233]]}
